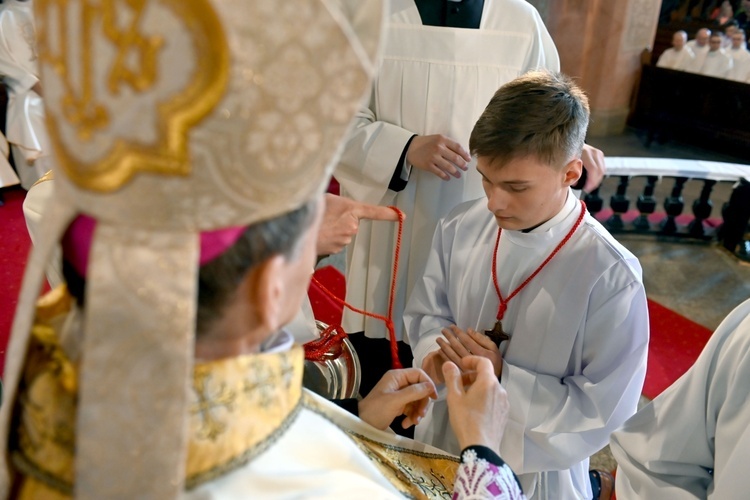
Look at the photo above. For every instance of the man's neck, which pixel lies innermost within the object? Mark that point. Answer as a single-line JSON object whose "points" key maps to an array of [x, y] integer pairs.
{"points": [[560, 208]]}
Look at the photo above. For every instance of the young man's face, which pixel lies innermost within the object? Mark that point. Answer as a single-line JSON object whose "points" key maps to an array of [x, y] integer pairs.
{"points": [[525, 192], [714, 43], [738, 41], [678, 41], [702, 37]]}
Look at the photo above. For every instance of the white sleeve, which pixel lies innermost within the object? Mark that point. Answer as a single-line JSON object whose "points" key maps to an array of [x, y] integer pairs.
{"points": [[693, 438], [427, 309], [542, 52], [557, 422], [370, 156], [9, 67]]}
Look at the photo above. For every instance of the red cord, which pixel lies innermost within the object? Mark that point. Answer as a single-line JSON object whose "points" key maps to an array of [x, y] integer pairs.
{"points": [[504, 302], [395, 362], [328, 346]]}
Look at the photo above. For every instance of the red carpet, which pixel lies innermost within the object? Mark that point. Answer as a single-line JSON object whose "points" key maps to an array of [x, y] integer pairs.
{"points": [[675, 340], [14, 250], [675, 344]]}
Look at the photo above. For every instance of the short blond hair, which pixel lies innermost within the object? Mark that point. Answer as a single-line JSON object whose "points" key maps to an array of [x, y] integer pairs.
{"points": [[539, 114]]}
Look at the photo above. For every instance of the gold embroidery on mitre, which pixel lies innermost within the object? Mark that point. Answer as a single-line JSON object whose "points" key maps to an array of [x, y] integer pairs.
{"points": [[84, 116]]}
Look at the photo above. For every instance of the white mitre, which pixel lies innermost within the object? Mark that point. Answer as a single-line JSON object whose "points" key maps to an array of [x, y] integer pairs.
{"points": [[169, 118]]}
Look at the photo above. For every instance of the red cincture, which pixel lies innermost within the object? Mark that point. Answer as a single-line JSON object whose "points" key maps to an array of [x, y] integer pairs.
{"points": [[497, 334], [395, 362]]}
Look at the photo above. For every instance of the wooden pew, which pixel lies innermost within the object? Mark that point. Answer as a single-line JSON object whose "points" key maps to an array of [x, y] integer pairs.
{"points": [[711, 112]]}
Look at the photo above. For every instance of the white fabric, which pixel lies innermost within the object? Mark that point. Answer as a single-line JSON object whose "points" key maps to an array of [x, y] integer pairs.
{"points": [[740, 64], [700, 55], [8, 176], [679, 60], [575, 366], [328, 464], [717, 64], [34, 205], [700, 423], [432, 80], [25, 112]]}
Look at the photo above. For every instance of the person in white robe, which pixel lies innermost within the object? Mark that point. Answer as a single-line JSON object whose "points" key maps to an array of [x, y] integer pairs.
{"points": [[699, 46], [692, 441], [162, 371], [408, 146], [717, 63], [8, 176], [740, 58], [678, 57], [25, 113], [576, 361]]}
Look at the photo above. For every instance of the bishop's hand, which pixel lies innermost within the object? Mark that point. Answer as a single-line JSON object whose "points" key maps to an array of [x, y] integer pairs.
{"points": [[406, 391], [458, 344]]}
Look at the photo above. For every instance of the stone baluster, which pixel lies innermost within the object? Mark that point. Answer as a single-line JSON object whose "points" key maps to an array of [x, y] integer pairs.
{"points": [[701, 210], [673, 206], [619, 203], [646, 204], [594, 202]]}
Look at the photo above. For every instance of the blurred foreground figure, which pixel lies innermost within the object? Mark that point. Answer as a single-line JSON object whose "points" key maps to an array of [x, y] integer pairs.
{"points": [[161, 369]]}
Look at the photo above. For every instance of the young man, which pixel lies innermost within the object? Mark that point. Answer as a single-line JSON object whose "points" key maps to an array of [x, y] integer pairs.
{"points": [[717, 62], [568, 294], [441, 63], [740, 58], [678, 57]]}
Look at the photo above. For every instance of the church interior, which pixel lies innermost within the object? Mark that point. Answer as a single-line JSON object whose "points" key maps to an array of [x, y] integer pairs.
{"points": [[676, 144]]}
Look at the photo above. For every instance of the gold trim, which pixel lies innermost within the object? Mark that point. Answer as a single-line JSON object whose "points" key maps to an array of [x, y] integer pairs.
{"points": [[50, 175], [246, 457], [169, 155], [29, 468]]}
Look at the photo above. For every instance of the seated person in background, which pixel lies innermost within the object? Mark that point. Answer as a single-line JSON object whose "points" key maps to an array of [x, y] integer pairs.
{"points": [[699, 47], [742, 16], [571, 297], [717, 63], [730, 29], [722, 14], [679, 57], [693, 440], [740, 71]]}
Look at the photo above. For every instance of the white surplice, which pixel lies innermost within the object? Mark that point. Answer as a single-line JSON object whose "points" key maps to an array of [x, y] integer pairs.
{"points": [[740, 65], [25, 127], [432, 80], [576, 362], [717, 64], [679, 60], [693, 440], [700, 55]]}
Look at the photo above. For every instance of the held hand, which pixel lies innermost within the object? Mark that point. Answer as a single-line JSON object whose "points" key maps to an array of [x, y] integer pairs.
{"points": [[593, 161], [341, 222], [439, 155], [458, 344], [433, 366], [478, 413], [400, 392]]}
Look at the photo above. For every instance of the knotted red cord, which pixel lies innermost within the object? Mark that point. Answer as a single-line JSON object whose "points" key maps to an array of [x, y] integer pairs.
{"points": [[395, 362], [328, 346]]}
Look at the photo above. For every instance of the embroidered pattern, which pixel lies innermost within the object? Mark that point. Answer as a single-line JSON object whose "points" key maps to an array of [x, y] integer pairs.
{"points": [[477, 478]]}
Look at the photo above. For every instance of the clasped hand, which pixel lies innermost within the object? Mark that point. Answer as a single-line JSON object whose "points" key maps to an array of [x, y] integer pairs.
{"points": [[456, 345]]}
